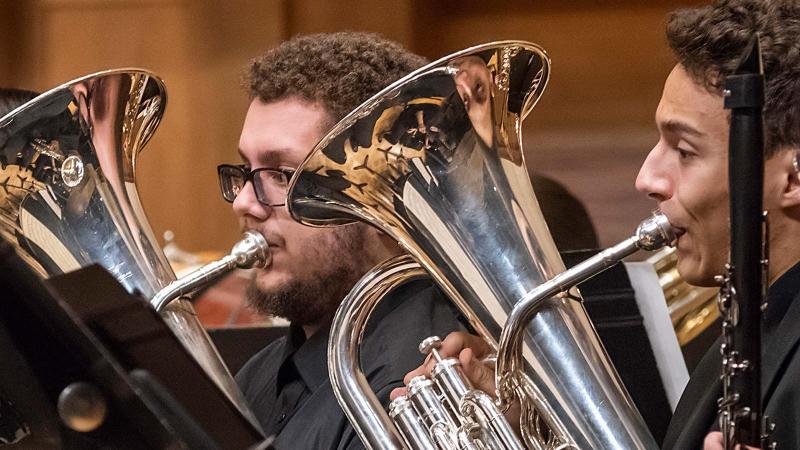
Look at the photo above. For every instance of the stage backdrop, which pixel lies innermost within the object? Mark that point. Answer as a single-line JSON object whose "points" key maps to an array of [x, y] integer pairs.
{"points": [[591, 130]]}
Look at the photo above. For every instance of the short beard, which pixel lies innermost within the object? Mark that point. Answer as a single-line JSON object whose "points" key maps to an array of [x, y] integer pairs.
{"points": [[313, 298]]}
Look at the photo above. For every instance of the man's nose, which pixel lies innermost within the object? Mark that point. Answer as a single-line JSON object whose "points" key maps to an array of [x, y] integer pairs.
{"points": [[653, 179], [246, 204]]}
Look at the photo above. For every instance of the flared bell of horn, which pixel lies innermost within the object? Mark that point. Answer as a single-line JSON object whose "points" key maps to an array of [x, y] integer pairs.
{"points": [[68, 194], [435, 160]]}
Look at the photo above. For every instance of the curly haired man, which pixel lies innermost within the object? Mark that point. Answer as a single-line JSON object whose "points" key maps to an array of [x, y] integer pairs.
{"points": [[298, 91], [686, 173]]}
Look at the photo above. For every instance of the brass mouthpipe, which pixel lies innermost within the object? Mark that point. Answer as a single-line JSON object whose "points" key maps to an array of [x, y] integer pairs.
{"points": [[652, 234], [252, 251]]}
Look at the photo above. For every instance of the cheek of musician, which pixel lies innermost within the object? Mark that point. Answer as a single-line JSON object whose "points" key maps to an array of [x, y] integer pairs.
{"points": [[687, 173]]}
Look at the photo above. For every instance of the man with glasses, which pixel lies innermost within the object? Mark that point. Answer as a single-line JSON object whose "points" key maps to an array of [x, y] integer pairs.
{"points": [[298, 91], [269, 184]]}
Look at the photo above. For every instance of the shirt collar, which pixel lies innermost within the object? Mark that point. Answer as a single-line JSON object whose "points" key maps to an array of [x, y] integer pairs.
{"points": [[286, 370], [308, 358], [294, 340], [780, 296]]}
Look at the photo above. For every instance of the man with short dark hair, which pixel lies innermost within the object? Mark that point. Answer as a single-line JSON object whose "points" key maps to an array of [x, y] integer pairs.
{"points": [[686, 172], [298, 91]]}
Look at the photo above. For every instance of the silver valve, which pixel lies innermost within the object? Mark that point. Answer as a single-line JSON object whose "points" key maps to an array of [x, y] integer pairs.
{"points": [[409, 424], [446, 372], [431, 346], [478, 418]]}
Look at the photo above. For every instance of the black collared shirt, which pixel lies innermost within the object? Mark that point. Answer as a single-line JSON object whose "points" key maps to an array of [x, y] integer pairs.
{"points": [[779, 299], [696, 412], [287, 384]]}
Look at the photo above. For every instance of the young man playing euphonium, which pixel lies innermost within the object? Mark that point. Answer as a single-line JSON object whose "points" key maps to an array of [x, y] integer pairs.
{"points": [[298, 91]]}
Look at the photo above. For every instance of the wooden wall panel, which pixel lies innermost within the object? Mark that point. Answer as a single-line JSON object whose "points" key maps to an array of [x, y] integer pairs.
{"points": [[591, 130], [7, 17], [594, 124], [606, 63], [393, 19], [199, 49]]}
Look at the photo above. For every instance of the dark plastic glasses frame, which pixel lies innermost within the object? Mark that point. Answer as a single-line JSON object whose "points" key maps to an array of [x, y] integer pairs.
{"points": [[225, 180]]}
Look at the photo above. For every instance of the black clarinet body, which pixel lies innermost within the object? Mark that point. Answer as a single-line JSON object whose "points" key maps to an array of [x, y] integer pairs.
{"points": [[743, 290]]}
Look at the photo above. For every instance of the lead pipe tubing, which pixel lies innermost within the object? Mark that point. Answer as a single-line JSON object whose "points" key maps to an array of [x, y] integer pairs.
{"points": [[252, 251], [349, 384], [651, 234]]}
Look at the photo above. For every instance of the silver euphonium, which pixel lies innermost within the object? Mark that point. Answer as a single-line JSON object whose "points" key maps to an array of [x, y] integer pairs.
{"points": [[435, 160], [68, 197]]}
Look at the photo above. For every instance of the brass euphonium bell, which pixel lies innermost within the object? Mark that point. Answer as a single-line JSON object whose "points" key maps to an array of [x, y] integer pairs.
{"points": [[435, 160], [68, 194]]}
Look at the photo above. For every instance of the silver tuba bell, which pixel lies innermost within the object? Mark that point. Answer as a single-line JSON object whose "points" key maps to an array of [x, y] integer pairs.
{"points": [[435, 160], [68, 195]]}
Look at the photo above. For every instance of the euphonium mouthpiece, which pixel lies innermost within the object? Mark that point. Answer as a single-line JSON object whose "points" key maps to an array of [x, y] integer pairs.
{"points": [[250, 252], [655, 232]]}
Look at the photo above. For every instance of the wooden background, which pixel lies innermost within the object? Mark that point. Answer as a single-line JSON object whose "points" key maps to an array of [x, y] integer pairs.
{"points": [[591, 130]]}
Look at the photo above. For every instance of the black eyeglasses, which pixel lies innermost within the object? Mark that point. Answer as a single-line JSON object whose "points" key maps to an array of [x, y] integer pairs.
{"points": [[270, 185]]}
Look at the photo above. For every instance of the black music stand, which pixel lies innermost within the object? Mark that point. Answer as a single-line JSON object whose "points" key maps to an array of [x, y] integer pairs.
{"points": [[84, 327]]}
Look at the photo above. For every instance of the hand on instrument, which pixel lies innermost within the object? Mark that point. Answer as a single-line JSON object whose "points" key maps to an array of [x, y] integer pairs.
{"points": [[470, 350], [713, 441]]}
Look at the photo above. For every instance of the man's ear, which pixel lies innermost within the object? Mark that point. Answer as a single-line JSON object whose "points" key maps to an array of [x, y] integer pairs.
{"points": [[788, 166]]}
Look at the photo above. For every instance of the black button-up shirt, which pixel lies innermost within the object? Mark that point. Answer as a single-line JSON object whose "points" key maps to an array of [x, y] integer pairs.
{"points": [[696, 412], [287, 384]]}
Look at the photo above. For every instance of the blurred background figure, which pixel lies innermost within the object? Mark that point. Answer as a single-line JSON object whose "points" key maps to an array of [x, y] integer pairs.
{"points": [[11, 98]]}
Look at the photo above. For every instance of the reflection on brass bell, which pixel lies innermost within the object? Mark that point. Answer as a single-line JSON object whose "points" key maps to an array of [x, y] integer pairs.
{"points": [[72, 171], [82, 407]]}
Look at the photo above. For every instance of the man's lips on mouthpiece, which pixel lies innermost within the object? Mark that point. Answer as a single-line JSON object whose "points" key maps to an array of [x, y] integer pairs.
{"points": [[678, 231], [271, 241]]}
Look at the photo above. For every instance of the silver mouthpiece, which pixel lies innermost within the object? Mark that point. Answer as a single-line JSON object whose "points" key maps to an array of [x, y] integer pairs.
{"points": [[655, 232], [250, 252]]}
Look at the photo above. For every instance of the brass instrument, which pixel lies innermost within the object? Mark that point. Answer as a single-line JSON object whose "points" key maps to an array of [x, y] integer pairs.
{"points": [[250, 252], [692, 309], [68, 194], [435, 160]]}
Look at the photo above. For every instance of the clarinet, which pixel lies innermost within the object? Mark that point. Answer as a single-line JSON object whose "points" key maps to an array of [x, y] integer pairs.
{"points": [[743, 290]]}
